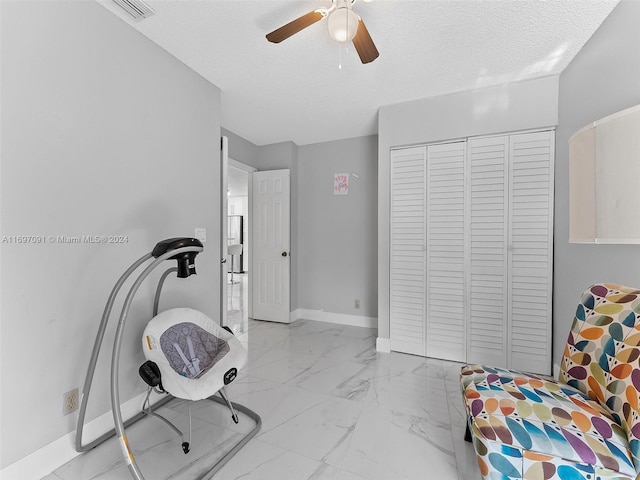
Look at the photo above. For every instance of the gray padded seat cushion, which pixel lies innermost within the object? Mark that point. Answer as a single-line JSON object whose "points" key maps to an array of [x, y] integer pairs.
{"points": [[201, 349]]}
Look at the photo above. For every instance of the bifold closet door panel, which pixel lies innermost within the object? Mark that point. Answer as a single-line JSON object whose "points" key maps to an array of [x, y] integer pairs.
{"points": [[407, 251], [487, 236], [471, 250], [446, 312], [531, 254]]}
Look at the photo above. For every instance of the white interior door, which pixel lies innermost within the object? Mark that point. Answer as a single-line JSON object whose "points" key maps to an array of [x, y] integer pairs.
{"points": [[270, 265]]}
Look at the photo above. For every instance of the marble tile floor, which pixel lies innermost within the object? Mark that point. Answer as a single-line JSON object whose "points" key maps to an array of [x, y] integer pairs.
{"points": [[332, 409]]}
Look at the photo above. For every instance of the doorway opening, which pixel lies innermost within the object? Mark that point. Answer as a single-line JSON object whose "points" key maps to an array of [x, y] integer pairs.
{"points": [[238, 246]]}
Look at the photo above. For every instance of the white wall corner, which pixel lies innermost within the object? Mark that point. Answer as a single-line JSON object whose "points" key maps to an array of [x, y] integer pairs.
{"points": [[556, 371], [383, 345]]}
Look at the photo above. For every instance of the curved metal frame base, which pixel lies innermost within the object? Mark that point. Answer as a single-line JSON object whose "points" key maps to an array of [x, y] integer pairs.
{"points": [[248, 412], [236, 448]]}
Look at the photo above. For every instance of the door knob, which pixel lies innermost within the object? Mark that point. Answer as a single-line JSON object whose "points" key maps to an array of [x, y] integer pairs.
{"points": [[284, 254]]}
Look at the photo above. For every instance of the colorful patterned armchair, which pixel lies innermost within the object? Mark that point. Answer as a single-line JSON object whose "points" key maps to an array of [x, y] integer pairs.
{"points": [[586, 425]]}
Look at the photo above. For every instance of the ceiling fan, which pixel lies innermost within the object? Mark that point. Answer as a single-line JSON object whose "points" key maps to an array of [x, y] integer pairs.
{"points": [[344, 26]]}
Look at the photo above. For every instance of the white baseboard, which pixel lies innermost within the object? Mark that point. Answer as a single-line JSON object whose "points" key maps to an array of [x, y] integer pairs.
{"points": [[383, 345], [48, 458], [42, 462], [330, 317]]}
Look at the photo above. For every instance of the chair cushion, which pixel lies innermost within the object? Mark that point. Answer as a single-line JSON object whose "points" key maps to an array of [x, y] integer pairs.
{"points": [[191, 350], [537, 414]]}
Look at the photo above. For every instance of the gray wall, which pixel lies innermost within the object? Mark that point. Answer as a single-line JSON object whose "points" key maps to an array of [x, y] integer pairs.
{"points": [[510, 107], [240, 149], [337, 242], [602, 79], [328, 233], [103, 133]]}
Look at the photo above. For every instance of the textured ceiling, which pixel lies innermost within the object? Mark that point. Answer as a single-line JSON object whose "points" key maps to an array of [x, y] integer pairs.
{"points": [[294, 91]]}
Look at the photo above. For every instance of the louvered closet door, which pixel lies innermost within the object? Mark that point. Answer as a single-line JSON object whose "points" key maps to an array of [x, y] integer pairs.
{"points": [[446, 324], [531, 253], [488, 292], [407, 243]]}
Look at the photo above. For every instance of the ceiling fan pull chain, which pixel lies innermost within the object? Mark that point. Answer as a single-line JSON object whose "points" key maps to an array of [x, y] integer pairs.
{"points": [[346, 29]]}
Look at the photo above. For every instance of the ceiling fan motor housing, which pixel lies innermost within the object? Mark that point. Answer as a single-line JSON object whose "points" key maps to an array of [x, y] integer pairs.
{"points": [[343, 24]]}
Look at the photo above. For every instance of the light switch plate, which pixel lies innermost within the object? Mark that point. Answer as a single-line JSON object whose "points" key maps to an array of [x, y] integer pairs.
{"points": [[201, 234]]}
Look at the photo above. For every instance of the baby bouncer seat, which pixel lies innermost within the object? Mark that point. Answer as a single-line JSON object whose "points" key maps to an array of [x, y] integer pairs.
{"points": [[188, 356], [196, 357]]}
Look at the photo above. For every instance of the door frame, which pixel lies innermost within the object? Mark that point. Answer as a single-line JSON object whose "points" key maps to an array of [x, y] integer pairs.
{"points": [[224, 207]]}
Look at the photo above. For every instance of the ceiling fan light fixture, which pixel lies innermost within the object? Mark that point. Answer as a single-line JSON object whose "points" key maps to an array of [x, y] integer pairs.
{"points": [[343, 24]]}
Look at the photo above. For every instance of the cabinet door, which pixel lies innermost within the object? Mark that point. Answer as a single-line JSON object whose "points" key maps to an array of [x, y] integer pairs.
{"points": [[487, 230], [407, 243], [531, 251], [446, 312]]}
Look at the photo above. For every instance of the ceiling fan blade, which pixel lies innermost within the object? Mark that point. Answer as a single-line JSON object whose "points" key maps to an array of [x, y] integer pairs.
{"points": [[364, 44], [294, 27]]}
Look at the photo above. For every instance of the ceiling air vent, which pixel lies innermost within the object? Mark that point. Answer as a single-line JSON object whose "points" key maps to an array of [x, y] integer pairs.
{"points": [[136, 8]]}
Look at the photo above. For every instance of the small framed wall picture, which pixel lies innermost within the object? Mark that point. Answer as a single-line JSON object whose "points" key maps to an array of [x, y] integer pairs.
{"points": [[341, 184]]}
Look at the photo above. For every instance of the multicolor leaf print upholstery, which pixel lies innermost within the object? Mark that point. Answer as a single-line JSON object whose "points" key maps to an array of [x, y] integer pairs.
{"points": [[601, 355], [583, 426], [528, 426]]}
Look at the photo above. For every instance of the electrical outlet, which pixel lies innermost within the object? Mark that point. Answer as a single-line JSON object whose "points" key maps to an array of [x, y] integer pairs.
{"points": [[356, 303], [70, 401]]}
